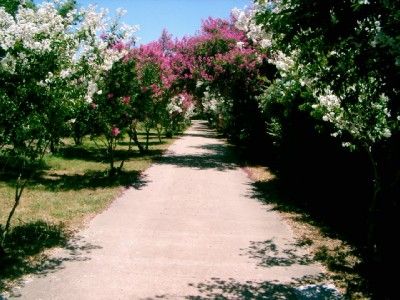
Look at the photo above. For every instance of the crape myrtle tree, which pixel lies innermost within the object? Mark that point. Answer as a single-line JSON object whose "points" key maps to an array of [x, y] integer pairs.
{"points": [[114, 86], [111, 111], [151, 65], [41, 76], [221, 62], [164, 103], [109, 81], [344, 58], [36, 46]]}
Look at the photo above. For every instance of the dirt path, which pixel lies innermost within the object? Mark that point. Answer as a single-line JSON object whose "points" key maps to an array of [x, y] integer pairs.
{"points": [[193, 230]]}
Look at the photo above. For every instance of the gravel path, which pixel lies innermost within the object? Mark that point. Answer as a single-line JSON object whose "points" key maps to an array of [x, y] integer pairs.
{"points": [[192, 230]]}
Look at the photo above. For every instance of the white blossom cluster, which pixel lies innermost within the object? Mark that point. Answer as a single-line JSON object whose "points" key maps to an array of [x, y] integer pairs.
{"points": [[176, 106], [282, 61], [102, 42], [245, 21], [36, 33], [213, 103], [330, 104], [36, 29], [367, 120]]}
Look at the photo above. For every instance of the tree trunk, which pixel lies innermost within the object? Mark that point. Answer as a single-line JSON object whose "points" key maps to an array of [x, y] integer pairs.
{"points": [[78, 140], [373, 217], [147, 139], [19, 188], [111, 156], [53, 148], [159, 130], [133, 135], [130, 143]]}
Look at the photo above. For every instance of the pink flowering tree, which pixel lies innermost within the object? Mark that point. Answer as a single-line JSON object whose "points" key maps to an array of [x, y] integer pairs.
{"points": [[112, 109], [220, 63], [157, 80], [149, 64]]}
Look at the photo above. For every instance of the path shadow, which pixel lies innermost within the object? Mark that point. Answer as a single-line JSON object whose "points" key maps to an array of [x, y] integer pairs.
{"points": [[25, 245], [211, 156], [342, 261], [209, 134], [271, 192], [267, 254], [217, 288], [304, 288]]}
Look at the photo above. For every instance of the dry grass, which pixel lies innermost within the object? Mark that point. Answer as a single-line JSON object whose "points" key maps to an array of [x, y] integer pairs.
{"points": [[337, 256]]}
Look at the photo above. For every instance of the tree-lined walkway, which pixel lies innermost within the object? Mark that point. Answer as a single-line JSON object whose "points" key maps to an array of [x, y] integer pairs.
{"points": [[193, 230]]}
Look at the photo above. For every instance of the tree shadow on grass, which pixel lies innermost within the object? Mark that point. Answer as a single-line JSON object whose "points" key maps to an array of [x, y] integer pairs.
{"points": [[98, 155], [91, 180], [25, 245], [151, 143]]}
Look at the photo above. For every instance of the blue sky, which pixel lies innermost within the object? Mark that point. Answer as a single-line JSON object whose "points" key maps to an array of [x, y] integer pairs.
{"points": [[179, 17]]}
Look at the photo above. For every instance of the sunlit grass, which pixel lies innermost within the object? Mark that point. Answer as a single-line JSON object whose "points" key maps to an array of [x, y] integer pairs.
{"points": [[74, 185]]}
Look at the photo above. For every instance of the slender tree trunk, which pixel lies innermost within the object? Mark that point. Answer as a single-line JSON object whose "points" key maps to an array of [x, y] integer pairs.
{"points": [[130, 143], [78, 140], [19, 188], [111, 156], [53, 146], [373, 208], [133, 135], [121, 165], [147, 138], [159, 130]]}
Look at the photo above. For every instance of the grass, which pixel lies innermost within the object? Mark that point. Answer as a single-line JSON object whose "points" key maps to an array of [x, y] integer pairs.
{"points": [[74, 184], [72, 188]]}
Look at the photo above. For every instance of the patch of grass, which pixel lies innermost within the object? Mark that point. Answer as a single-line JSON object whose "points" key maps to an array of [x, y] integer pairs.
{"points": [[74, 185]]}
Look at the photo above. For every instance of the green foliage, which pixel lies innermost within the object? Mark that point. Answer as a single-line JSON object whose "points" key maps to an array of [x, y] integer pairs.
{"points": [[11, 6], [114, 109]]}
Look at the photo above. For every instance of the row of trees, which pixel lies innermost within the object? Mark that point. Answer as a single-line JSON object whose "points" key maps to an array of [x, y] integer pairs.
{"points": [[68, 71], [312, 84], [315, 83]]}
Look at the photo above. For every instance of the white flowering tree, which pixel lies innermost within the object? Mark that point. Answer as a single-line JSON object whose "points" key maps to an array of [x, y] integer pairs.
{"points": [[346, 58], [36, 46], [180, 109], [107, 76], [51, 57], [354, 101]]}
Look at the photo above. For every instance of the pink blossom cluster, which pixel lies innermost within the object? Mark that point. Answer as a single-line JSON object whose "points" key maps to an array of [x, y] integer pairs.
{"points": [[115, 131], [157, 55], [219, 47], [167, 68]]}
